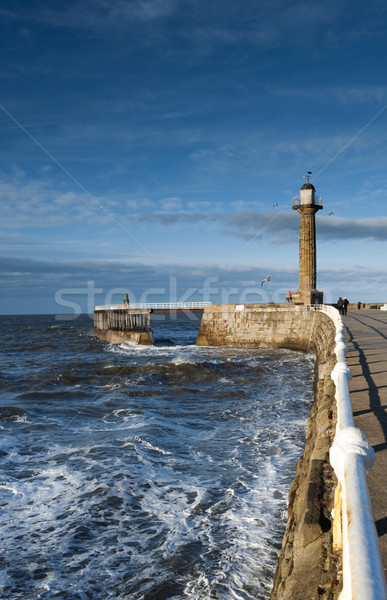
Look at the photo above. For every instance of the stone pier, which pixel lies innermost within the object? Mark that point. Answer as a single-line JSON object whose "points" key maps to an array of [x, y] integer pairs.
{"points": [[308, 568], [119, 325]]}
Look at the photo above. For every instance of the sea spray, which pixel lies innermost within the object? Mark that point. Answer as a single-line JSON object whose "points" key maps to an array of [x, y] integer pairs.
{"points": [[158, 472]]}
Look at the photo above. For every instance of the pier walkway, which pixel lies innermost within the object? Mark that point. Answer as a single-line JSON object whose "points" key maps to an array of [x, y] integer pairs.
{"points": [[158, 306], [366, 339]]}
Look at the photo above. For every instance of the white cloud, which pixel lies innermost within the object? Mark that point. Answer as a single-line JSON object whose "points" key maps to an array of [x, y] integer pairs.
{"points": [[223, 282], [140, 203], [38, 203], [28, 203], [336, 228], [278, 227], [171, 204]]}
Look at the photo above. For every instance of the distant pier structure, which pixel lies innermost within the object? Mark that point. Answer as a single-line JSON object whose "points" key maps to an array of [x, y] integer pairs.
{"points": [[116, 324], [307, 204], [131, 322]]}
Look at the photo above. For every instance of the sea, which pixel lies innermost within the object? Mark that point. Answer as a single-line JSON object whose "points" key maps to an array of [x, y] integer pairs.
{"points": [[144, 473]]}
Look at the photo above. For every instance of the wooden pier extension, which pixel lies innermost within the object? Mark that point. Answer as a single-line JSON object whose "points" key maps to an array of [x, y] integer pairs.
{"points": [[117, 325]]}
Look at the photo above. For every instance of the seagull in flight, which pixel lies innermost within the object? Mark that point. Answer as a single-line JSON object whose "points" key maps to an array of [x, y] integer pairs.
{"points": [[266, 279], [276, 204], [331, 213]]}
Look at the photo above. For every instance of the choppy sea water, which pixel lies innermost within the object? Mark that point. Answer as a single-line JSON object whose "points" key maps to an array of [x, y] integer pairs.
{"points": [[143, 473]]}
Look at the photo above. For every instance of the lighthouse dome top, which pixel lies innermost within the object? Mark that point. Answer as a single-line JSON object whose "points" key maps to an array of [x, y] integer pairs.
{"points": [[308, 186], [307, 197]]}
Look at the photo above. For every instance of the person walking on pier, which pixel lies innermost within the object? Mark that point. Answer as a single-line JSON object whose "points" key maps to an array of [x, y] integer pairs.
{"points": [[345, 305], [288, 296], [340, 305]]}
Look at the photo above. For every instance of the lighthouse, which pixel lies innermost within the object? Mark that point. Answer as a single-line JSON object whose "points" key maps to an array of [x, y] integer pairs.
{"points": [[307, 204]]}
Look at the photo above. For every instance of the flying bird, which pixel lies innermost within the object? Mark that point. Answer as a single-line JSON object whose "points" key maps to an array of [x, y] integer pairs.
{"points": [[331, 213], [266, 279], [275, 204]]}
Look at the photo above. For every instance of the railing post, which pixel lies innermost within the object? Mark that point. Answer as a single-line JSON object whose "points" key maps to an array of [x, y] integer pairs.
{"points": [[351, 456]]}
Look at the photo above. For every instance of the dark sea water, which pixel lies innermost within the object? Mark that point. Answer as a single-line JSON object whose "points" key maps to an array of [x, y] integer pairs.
{"points": [[143, 473]]}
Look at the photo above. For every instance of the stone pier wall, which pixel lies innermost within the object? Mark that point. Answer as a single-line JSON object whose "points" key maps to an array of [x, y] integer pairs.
{"points": [[308, 569], [141, 338]]}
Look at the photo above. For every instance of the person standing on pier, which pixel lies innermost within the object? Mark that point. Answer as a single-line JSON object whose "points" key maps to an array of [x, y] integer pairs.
{"points": [[345, 305]]}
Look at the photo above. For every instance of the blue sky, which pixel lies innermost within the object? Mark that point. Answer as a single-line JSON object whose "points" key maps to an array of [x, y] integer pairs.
{"points": [[154, 147]]}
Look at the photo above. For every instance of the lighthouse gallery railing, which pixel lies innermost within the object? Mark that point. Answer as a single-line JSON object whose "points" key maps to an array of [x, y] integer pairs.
{"points": [[351, 456]]}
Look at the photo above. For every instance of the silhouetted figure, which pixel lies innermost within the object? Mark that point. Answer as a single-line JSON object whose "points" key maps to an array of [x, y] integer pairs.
{"points": [[340, 305], [345, 305]]}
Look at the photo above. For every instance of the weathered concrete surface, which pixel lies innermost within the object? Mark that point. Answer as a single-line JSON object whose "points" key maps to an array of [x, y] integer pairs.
{"points": [[143, 338], [366, 339], [308, 569], [263, 325]]}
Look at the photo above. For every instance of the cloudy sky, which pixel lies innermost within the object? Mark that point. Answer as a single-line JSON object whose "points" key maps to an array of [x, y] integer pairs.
{"points": [[155, 146]]}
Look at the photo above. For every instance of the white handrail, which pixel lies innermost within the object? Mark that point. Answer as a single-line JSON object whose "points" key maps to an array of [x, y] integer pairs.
{"points": [[155, 305], [297, 201], [351, 456]]}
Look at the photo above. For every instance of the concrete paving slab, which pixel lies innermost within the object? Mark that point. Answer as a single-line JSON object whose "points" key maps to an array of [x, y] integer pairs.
{"points": [[366, 339]]}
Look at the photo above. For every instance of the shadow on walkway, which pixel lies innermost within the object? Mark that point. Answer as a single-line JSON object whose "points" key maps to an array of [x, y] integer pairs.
{"points": [[376, 406]]}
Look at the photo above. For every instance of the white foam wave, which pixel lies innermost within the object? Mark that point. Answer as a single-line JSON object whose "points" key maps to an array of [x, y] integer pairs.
{"points": [[150, 446], [182, 359], [6, 488], [225, 380], [21, 419]]}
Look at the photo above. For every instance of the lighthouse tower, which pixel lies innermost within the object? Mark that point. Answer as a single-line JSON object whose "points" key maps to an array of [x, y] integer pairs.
{"points": [[307, 204]]}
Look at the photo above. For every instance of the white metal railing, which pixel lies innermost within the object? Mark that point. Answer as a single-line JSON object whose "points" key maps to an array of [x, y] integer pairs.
{"points": [[351, 456], [297, 201], [155, 305]]}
